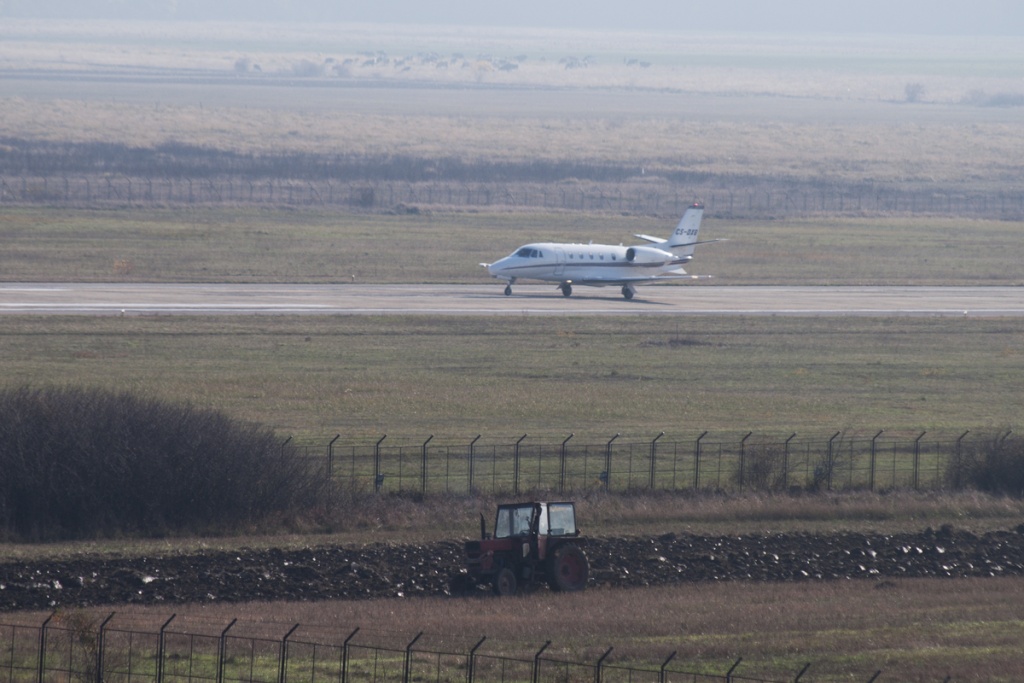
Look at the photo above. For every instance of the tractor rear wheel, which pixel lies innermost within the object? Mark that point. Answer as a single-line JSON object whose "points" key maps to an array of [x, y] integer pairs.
{"points": [[568, 568], [505, 582]]}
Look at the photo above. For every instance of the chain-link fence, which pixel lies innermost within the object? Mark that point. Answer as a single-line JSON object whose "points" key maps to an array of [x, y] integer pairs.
{"points": [[840, 462], [74, 649], [749, 199]]}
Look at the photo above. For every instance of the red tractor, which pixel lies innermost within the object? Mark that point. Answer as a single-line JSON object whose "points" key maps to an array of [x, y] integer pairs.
{"points": [[532, 542]]}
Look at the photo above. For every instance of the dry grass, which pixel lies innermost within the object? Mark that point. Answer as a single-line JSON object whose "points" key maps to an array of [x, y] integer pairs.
{"points": [[728, 105], [970, 630], [917, 152]]}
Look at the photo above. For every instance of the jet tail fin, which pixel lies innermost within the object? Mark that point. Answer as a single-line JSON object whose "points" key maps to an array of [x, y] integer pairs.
{"points": [[684, 237]]}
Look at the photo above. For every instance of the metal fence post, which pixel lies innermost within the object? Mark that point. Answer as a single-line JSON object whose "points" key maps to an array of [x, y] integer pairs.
{"points": [[654, 458], [874, 451], [917, 459], [330, 472], [471, 665], [743, 454], [785, 461], [423, 466], [515, 466], [330, 457], [344, 655], [99, 648], [831, 458], [471, 445], [664, 665], [378, 478], [696, 462], [408, 657], [160, 648], [536, 661], [728, 674], [600, 662], [222, 651], [42, 646], [561, 476], [284, 655], [608, 462]]}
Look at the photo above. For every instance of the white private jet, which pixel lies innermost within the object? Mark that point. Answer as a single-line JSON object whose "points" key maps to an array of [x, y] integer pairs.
{"points": [[601, 265]]}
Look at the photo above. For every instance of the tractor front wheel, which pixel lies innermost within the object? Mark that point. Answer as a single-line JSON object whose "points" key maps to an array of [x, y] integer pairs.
{"points": [[568, 569], [505, 582]]}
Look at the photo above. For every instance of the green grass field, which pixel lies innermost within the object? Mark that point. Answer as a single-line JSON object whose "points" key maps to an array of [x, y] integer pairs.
{"points": [[457, 377], [246, 244]]}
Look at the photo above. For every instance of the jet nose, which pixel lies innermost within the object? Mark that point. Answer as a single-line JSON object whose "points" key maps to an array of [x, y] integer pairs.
{"points": [[495, 268]]}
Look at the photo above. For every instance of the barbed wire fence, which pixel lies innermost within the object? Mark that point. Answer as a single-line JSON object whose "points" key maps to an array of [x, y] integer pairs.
{"points": [[748, 463], [72, 648], [746, 200]]}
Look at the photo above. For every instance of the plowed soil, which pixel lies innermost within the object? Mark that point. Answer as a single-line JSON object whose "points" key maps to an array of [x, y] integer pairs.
{"points": [[390, 571]]}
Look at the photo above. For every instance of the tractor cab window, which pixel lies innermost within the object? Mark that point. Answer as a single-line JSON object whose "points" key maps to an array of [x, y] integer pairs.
{"points": [[514, 521], [501, 526], [561, 519], [522, 520]]}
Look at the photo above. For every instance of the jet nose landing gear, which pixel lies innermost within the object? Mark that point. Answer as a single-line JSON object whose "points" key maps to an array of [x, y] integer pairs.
{"points": [[566, 289], [508, 290]]}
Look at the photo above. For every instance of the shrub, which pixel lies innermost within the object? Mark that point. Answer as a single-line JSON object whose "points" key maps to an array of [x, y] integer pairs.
{"points": [[82, 463], [994, 465], [764, 468]]}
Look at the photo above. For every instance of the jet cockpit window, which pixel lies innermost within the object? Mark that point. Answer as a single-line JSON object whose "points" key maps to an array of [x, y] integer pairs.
{"points": [[529, 252]]}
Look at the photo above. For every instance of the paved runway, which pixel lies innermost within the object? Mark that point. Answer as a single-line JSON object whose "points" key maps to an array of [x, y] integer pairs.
{"points": [[487, 299]]}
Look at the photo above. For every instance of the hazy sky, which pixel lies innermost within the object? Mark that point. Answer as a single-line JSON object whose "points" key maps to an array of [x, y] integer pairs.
{"points": [[932, 17]]}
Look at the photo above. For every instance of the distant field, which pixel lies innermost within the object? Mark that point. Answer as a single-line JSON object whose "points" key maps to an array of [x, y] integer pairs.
{"points": [[822, 109], [727, 137]]}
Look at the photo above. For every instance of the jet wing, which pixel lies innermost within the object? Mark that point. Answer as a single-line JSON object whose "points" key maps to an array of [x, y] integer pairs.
{"points": [[648, 238]]}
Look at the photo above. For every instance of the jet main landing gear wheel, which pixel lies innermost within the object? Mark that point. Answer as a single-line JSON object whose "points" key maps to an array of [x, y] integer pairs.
{"points": [[566, 289], [627, 292]]}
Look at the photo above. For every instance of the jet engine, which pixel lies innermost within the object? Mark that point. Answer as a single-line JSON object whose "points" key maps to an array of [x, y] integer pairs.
{"points": [[648, 256]]}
